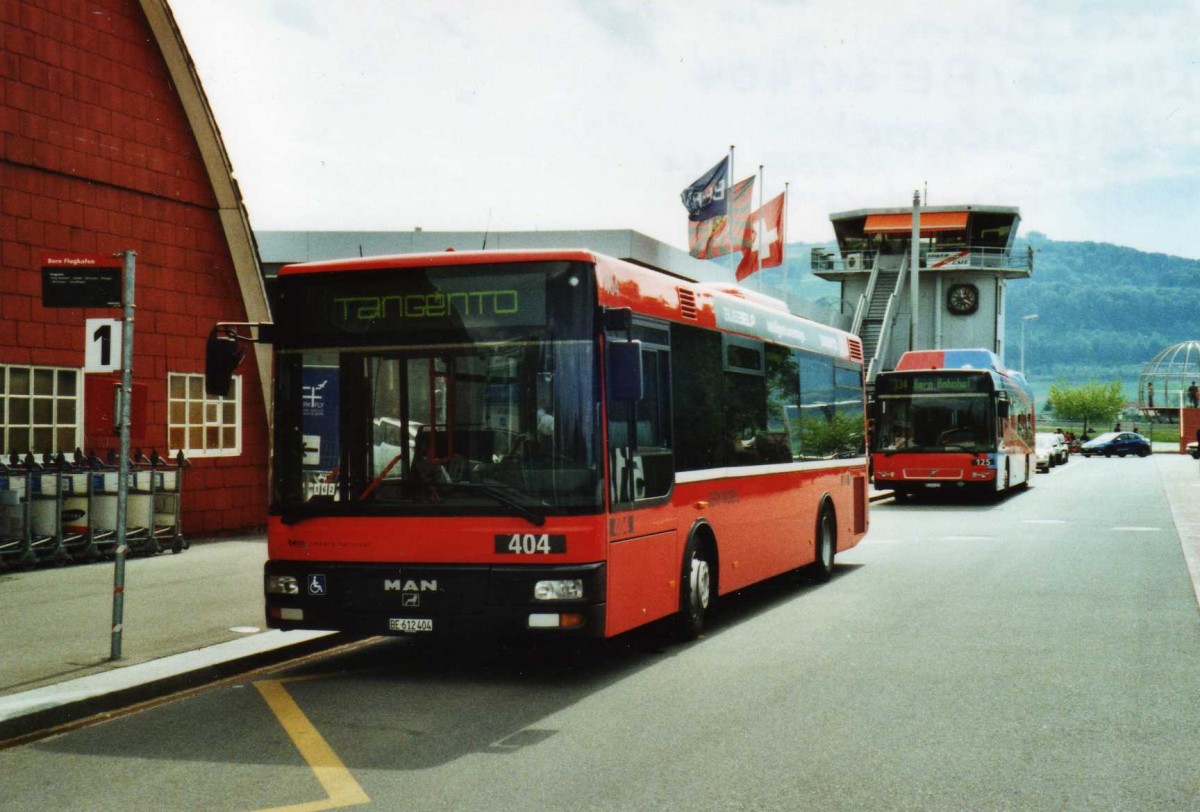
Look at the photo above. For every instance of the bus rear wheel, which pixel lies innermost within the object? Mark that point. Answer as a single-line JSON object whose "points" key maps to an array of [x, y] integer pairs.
{"points": [[696, 589]]}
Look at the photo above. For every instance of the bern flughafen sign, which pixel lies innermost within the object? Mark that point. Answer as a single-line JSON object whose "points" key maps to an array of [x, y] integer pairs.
{"points": [[81, 280]]}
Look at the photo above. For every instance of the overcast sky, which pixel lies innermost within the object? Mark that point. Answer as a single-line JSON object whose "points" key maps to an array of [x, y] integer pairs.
{"points": [[568, 114]]}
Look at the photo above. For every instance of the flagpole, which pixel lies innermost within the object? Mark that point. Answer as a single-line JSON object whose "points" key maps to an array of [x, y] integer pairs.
{"points": [[729, 207], [783, 239], [758, 227]]}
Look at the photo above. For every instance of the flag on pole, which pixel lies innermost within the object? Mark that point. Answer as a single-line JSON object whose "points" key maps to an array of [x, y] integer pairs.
{"points": [[710, 238], [705, 197], [769, 218], [710, 211], [705, 200]]}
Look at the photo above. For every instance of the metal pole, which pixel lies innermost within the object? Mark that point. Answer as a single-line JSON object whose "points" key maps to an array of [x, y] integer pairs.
{"points": [[1022, 346], [783, 239], [759, 227], [913, 288], [1025, 320], [729, 200], [123, 463]]}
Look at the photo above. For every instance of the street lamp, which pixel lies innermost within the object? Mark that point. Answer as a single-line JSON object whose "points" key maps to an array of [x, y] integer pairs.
{"points": [[1024, 319]]}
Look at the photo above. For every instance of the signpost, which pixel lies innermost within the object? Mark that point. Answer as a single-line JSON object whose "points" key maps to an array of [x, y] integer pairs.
{"points": [[100, 280]]}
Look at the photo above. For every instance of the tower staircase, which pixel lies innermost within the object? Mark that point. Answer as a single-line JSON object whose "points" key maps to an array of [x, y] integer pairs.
{"points": [[876, 312]]}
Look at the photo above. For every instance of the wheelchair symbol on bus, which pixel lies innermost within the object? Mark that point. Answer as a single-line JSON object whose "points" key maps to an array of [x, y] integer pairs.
{"points": [[316, 585]]}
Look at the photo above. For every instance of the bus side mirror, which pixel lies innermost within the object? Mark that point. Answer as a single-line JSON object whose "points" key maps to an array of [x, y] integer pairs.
{"points": [[221, 358], [625, 370], [1002, 409]]}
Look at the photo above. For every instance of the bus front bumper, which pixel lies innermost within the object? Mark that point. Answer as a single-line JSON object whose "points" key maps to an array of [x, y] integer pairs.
{"points": [[436, 600]]}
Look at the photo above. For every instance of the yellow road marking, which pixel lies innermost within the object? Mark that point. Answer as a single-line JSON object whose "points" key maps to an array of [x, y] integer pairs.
{"points": [[339, 784]]}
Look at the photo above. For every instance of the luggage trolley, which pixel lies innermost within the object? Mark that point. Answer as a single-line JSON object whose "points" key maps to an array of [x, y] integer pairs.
{"points": [[15, 550], [47, 482], [166, 496], [76, 507], [152, 508], [102, 512], [27, 513], [139, 508]]}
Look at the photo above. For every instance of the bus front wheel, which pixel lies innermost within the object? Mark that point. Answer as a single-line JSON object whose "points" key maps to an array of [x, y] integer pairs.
{"points": [[696, 588], [826, 544]]}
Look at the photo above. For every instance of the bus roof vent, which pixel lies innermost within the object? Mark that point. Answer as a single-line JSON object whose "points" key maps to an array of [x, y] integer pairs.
{"points": [[856, 351], [687, 303]]}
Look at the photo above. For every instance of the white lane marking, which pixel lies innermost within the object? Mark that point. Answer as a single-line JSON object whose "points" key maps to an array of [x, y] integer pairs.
{"points": [[1138, 529]]}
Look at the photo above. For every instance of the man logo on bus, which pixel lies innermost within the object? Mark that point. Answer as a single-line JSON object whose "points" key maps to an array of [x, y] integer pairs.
{"points": [[316, 585]]}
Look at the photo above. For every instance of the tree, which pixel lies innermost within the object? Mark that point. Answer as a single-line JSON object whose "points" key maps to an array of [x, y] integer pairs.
{"points": [[1092, 403]]}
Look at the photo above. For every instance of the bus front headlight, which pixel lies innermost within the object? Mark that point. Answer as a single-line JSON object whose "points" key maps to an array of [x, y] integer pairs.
{"points": [[570, 589], [283, 585]]}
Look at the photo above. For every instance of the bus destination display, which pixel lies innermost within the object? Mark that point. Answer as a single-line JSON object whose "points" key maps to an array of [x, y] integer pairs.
{"points": [[412, 303], [933, 384]]}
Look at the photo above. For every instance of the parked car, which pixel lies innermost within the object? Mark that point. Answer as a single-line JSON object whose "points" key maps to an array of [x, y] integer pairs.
{"points": [[1120, 443], [1043, 451]]}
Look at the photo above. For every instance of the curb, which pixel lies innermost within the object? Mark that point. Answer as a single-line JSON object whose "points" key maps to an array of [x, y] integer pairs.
{"points": [[40, 712]]}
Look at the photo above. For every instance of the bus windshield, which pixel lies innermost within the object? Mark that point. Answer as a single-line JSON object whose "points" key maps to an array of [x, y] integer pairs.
{"points": [[951, 422], [467, 429], [437, 391]]}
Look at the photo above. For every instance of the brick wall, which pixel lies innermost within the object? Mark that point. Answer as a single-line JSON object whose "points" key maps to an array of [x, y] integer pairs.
{"points": [[96, 156]]}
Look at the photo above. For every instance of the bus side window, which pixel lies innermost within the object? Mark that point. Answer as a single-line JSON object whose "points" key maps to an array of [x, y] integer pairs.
{"points": [[696, 380], [815, 427], [745, 401]]}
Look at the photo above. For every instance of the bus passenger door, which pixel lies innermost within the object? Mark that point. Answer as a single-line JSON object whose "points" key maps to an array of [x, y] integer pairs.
{"points": [[643, 555], [641, 464]]}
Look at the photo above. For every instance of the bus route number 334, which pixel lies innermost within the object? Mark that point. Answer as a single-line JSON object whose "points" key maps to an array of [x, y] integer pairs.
{"points": [[530, 543]]}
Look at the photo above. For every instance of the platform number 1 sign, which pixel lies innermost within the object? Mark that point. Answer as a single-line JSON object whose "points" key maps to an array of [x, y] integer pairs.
{"points": [[102, 345]]}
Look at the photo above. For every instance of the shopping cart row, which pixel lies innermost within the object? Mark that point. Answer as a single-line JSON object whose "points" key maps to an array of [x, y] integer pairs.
{"points": [[59, 510]]}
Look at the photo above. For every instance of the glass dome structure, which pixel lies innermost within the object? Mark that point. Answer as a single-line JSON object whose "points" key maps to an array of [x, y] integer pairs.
{"points": [[1164, 382]]}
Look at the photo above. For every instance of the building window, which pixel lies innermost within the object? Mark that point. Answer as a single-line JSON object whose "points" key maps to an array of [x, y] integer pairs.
{"points": [[39, 410], [201, 425]]}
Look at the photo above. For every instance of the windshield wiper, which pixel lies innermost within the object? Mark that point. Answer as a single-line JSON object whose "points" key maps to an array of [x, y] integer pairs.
{"points": [[521, 510]]}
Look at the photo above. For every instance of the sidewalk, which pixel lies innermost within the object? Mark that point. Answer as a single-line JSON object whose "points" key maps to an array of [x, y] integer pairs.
{"points": [[1181, 481], [197, 616], [188, 619]]}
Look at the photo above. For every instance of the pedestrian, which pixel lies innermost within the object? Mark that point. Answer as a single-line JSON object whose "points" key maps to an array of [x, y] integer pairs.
{"points": [[1117, 426], [1150, 394], [1194, 395]]}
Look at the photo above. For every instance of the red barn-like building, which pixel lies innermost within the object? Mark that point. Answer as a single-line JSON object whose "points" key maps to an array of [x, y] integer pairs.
{"points": [[107, 143]]}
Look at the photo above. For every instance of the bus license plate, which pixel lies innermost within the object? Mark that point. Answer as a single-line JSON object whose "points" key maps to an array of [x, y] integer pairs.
{"points": [[410, 624]]}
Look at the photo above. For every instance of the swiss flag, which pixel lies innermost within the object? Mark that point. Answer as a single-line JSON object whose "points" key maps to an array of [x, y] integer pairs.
{"points": [[770, 219]]}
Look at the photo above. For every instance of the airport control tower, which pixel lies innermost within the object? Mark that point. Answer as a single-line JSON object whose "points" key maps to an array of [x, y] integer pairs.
{"points": [[966, 258]]}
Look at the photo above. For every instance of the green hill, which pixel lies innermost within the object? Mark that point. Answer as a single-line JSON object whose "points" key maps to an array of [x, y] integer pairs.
{"points": [[1104, 310]]}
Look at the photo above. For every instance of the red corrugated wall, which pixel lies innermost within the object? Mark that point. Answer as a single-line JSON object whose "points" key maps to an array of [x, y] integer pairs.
{"points": [[96, 156]]}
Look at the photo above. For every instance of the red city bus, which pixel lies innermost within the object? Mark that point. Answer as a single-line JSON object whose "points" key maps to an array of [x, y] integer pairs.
{"points": [[952, 419], [545, 441]]}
